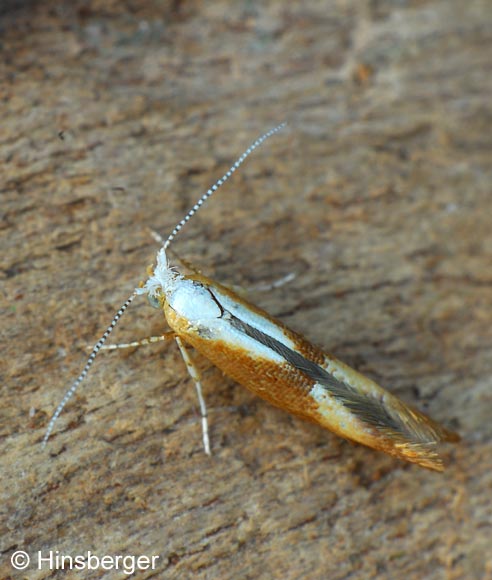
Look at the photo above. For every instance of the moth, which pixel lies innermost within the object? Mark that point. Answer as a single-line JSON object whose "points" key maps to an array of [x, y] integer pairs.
{"points": [[274, 362]]}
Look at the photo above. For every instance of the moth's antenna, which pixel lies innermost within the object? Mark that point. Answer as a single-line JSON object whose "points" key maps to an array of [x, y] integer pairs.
{"points": [[97, 347], [219, 182]]}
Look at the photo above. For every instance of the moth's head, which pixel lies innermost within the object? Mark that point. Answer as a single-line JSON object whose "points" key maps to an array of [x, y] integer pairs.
{"points": [[161, 281]]}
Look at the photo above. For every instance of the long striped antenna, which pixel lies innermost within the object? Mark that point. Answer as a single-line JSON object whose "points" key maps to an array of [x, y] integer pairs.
{"points": [[220, 182], [97, 347]]}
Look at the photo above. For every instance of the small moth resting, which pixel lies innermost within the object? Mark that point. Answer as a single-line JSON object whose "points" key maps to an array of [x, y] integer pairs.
{"points": [[274, 362]]}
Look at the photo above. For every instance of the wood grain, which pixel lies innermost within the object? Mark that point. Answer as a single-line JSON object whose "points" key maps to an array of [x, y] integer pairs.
{"points": [[114, 118]]}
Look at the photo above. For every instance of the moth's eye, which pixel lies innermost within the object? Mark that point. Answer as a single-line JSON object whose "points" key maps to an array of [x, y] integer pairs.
{"points": [[153, 301]]}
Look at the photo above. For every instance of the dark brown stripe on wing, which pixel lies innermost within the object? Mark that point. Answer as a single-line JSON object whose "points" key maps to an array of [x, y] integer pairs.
{"points": [[367, 408]]}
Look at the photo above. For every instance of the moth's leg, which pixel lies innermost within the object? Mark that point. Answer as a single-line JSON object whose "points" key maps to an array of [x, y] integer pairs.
{"points": [[276, 283], [241, 291], [192, 370], [244, 292], [141, 342]]}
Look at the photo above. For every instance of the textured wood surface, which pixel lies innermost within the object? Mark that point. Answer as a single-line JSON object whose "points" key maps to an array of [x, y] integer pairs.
{"points": [[115, 116]]}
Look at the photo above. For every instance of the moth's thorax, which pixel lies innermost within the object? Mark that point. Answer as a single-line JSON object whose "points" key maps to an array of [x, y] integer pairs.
{"points": [[191, 300]]}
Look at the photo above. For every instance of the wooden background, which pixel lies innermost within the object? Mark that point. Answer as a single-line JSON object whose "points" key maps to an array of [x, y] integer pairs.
{"points": [[115, 116]]}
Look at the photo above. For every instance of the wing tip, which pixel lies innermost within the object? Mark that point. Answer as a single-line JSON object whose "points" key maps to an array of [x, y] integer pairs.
{"points": [[422, 453]]}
